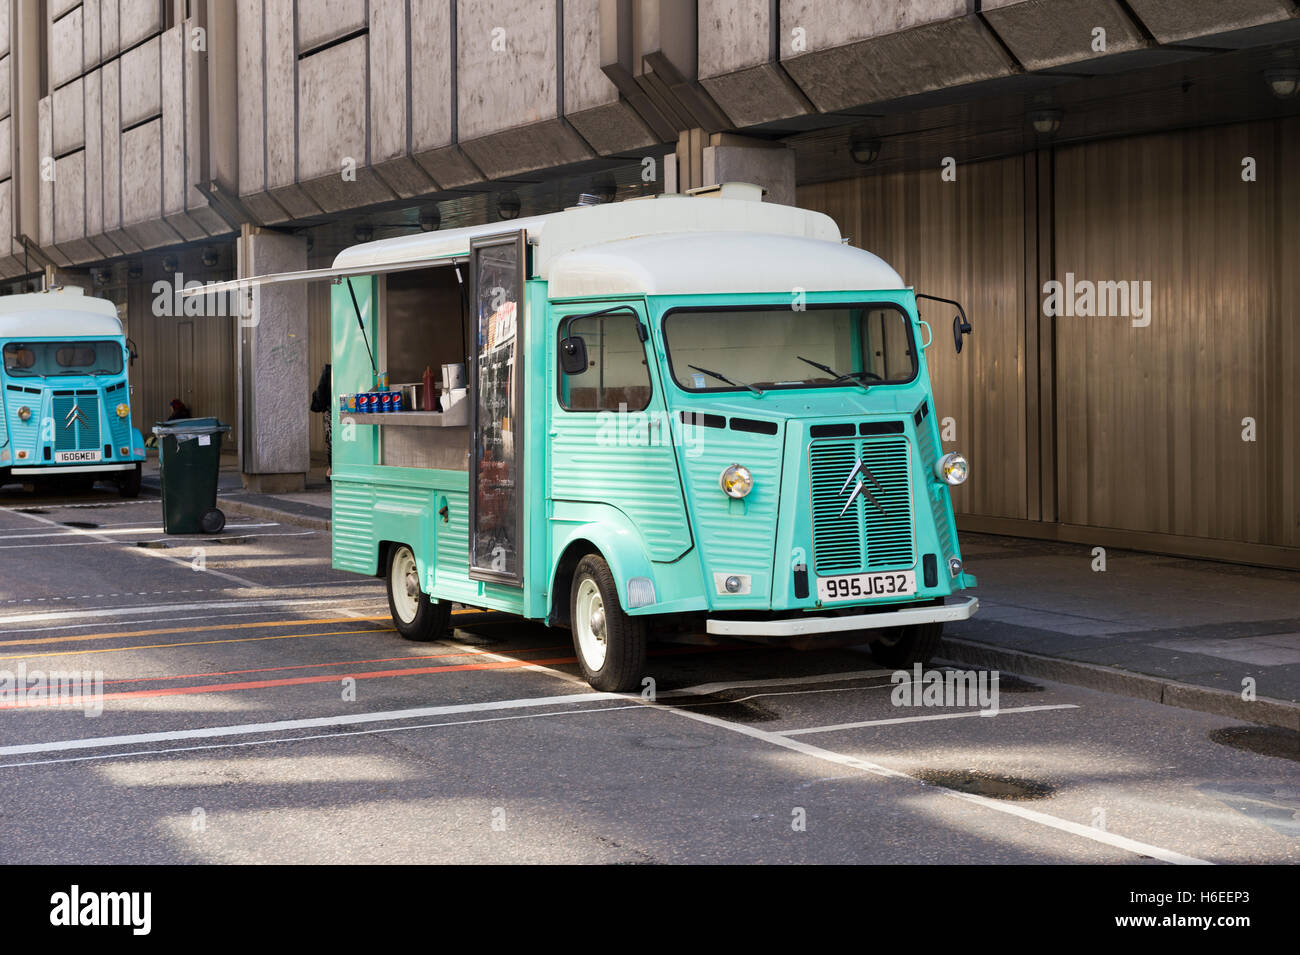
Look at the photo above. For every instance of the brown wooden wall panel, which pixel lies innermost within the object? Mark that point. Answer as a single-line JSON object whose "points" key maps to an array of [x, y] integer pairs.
{"points": [[186, 357], [963, 240], [1149, 419]]}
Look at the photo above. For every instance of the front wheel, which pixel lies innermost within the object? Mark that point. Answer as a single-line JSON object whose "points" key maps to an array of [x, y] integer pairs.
{"points": [[415, 616], [610, 644], [903, 646]]}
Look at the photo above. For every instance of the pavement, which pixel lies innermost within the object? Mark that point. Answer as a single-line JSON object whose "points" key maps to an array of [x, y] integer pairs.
{"points": [[1202, 635]]}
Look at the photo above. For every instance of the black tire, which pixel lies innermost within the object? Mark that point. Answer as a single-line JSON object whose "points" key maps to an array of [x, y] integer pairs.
{"points": [[624, 636], [431, 617], [212, 521], [900, 647], [129, 484]]}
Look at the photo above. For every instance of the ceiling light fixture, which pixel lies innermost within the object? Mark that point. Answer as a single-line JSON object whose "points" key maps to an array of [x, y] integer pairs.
{"points": [[1045, 121]]}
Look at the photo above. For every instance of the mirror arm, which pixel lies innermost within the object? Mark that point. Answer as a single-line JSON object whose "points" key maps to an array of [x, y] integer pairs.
{"points": [[965, 323], [570, 319]]}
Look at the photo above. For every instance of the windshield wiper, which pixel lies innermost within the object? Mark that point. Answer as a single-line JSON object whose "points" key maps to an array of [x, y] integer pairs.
{"points": [[739, 384], [853, 376]]}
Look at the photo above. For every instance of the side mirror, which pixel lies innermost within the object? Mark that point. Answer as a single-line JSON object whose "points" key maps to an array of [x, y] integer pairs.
{"points": [[960, 329], [130, 347], [573, 355]]}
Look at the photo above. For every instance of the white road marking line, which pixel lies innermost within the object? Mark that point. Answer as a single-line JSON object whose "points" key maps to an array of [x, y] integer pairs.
{"points": [[54, 615], [817, 752], [923, 719], [207, 618], [58, 506], [157, 554], [73, 531], [866, 766], [352, 719], [298, 739]]}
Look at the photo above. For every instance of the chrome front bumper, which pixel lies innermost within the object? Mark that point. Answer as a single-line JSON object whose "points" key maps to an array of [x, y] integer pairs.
{"points": [[959, 609], [50, 470]]}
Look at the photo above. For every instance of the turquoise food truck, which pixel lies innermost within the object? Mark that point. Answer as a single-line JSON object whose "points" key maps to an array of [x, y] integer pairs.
{"points": [[696, 413], [65, 402]]}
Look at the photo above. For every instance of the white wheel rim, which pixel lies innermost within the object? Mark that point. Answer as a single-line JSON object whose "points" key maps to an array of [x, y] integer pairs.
{"points": [[403, 578], [590, 625]]}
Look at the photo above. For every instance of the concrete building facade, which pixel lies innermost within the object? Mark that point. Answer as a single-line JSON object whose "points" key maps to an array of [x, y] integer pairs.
{"points": [[987, 148]]}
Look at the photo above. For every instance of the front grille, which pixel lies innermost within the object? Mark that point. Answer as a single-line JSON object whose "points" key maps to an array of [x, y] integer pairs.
{"points": [[875, 532], [80, 432]]}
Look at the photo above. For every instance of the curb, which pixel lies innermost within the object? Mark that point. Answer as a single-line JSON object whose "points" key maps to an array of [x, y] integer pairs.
{"points": [[1110, 680], [273, 513]]}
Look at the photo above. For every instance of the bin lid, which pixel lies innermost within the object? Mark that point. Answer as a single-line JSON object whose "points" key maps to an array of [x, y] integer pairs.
{"points": [[191, 426]]}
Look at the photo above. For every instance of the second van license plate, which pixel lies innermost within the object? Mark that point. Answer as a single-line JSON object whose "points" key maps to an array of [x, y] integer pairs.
{"points": [[866, 586]]}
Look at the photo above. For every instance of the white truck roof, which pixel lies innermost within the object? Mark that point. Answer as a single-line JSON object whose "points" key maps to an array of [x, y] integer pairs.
{"points": [[58, 313], [725, 242]]}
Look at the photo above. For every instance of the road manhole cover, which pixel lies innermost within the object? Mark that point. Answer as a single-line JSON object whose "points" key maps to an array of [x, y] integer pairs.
{"points": [[986, 784]]}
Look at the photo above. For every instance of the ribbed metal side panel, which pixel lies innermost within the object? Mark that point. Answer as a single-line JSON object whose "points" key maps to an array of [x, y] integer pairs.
{"points": [[351, 527], [82, 435], [875, 532], [943, 524], [733, 537], [452, 548], [120, 428], [593, 459]]}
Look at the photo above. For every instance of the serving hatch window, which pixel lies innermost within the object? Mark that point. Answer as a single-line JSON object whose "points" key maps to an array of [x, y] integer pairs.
{"points": [[782, 348], [48, 359]]}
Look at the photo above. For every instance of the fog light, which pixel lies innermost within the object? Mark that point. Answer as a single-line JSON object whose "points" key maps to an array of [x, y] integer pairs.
{"points": [[24, 413], [737, 481], [123, 410], [951, 468], [954, 566]]}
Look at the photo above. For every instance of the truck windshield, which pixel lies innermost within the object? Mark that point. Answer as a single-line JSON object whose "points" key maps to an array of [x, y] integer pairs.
{"points": [[49, 359], [779, 347]]}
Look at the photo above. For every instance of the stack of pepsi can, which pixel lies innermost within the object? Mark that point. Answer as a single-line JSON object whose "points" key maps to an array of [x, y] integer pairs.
{"points": [[371, 402]]}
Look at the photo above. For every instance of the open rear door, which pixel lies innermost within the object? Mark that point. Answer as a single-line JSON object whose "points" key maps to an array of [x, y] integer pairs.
{"points": [[496, 477]]}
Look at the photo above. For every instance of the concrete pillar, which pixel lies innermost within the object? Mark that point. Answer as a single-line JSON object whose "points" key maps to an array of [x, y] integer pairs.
{"points": [[275, 383], [710, 160]]}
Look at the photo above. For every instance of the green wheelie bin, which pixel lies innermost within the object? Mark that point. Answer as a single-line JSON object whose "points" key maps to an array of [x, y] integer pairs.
{"points": [[189, 453]]}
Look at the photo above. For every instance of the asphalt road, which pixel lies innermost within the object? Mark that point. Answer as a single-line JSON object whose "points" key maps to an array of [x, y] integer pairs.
{"points": [[258, 707]]}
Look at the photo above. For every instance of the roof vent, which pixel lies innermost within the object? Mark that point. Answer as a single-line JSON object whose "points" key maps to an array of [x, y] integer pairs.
{"points": [[589, 199], [747, 191]]}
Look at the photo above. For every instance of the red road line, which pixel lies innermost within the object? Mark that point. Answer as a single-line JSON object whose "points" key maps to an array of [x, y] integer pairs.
{"points": [[341, 663], [326, 678], [297, 681]]}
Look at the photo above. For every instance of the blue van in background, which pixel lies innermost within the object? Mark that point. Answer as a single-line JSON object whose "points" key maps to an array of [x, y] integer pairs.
{"points": [[65, 403]]}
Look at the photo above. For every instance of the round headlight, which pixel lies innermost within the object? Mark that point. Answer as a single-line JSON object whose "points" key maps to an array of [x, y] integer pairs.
{"points": [[24, 413], [736, 481], [951, 468], [123, 410]]}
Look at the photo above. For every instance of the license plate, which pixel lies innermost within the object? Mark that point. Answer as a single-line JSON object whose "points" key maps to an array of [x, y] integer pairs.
{"points": [[75, 457], [866, 586]]}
